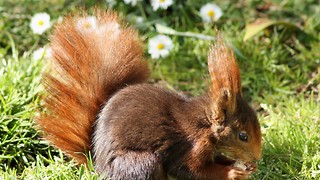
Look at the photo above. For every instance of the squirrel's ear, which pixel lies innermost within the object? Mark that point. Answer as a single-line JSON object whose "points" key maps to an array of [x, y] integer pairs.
{"points": [[225, 79]]}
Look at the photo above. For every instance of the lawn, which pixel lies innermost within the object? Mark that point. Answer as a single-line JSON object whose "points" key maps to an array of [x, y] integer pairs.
{"points": [[278, 56]]}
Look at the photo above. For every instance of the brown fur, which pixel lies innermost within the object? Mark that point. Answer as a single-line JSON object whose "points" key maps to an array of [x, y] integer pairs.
{"points": [[89, 67], [142, 131], [225, 78]]}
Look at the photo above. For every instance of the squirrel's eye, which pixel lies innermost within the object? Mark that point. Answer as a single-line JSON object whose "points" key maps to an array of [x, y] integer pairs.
{"points": [[243, 136]]}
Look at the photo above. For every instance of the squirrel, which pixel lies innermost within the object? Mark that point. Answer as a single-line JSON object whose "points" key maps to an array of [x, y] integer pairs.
{"points": [[97, 99]]}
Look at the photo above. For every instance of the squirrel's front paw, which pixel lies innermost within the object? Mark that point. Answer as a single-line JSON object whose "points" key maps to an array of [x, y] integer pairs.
{"points": [[238, 174], [252, 167]]}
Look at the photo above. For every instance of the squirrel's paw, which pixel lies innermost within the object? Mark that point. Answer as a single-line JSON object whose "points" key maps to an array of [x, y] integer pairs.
{"points": [[252, 167], [238, 174]]}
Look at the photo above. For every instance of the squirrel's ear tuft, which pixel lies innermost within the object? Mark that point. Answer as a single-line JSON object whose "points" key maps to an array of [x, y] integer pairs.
{"points": [[225, 79]]}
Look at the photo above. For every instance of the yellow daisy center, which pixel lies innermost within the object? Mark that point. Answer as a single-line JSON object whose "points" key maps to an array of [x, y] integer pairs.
{"points": [[87, 25], [160, 46], [162, 1], [40, 23], [211, 13]]}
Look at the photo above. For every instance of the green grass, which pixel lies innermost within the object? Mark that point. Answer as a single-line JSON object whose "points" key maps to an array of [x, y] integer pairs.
{"points": [[291, 139], [279, 67]]}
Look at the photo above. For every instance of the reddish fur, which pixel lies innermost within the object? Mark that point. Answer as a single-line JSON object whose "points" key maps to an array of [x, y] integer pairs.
{"points": [[225, 78], [144, 131], [82, 82]]}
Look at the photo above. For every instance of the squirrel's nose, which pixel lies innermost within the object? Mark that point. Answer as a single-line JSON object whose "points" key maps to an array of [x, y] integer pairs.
{"points": [[257, 152], [257, 155]]}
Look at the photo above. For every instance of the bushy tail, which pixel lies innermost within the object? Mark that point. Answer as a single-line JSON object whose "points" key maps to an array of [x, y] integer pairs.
{"points": [[92, 58]]}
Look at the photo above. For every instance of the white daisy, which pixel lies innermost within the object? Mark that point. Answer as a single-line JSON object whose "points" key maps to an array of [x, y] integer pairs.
{"points": [[132, 2], [87, 24], [160, 46], [210, 12], [40, 22], [40, 53], [163, 4]]}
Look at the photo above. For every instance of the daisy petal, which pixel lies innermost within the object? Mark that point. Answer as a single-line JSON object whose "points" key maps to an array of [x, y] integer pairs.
{"points": [[160, 46], [40, 22]]}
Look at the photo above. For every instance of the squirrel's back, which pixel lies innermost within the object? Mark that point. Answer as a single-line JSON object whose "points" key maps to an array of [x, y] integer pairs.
{"points": [[92, 58]]}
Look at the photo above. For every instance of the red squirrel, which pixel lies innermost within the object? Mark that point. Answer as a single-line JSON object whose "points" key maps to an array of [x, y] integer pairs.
{"points": [[98, 100]]}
